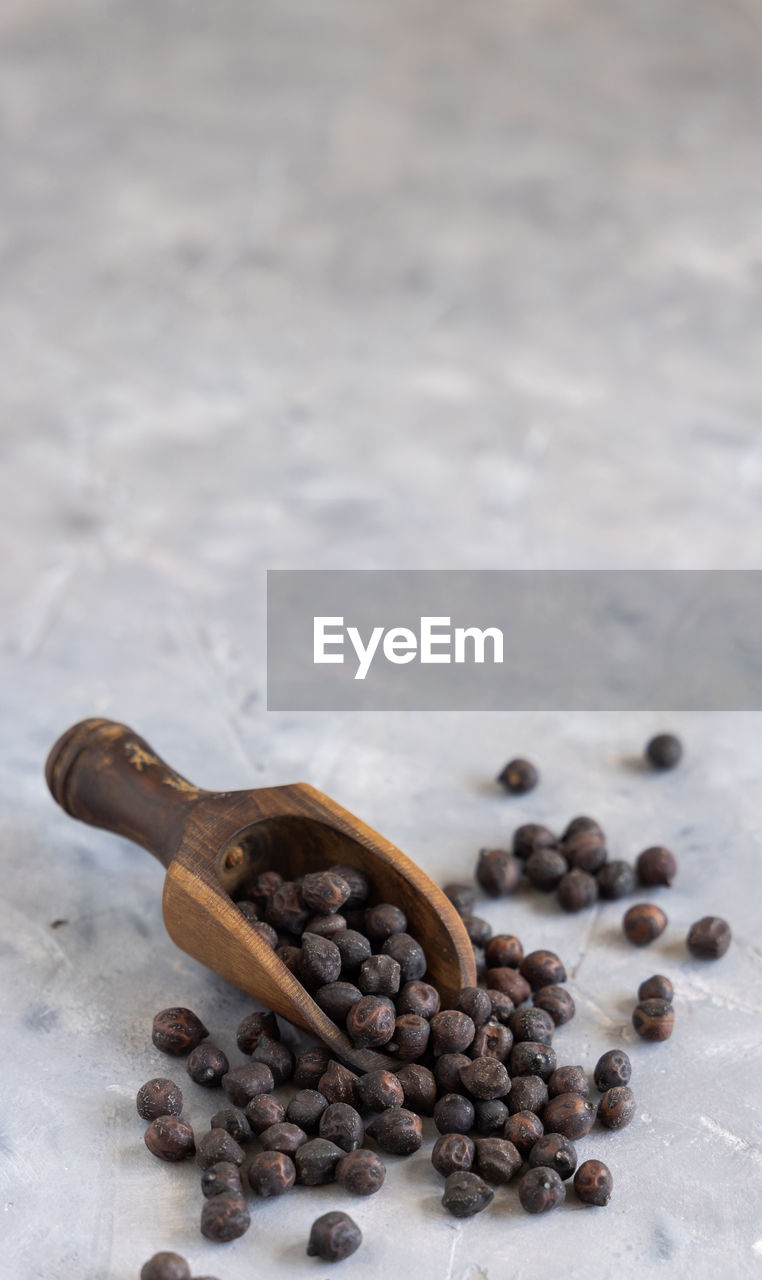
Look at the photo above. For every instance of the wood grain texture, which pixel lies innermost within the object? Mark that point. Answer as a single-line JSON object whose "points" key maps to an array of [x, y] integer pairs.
{"points": [[212, 843]]}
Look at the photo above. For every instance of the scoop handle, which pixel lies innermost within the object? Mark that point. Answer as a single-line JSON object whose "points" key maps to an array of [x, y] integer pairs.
{"points": [[106, 775]]}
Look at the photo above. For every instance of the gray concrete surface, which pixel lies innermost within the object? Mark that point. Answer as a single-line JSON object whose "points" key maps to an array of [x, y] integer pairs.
{"points": [[354, 285]]}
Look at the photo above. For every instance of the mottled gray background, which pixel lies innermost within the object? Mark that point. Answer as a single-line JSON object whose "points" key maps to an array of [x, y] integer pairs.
{"points": [[362, 285]]}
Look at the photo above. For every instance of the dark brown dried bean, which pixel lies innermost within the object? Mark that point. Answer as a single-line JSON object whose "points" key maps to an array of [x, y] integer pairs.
{"points": [[379, 976], [532, 1024], [310, 1066], [271, 1173], [518, 776], [541, 1190], [241, 1084], [264, 1111], [544, 869], [478, 930], [340, 1123], [249, 910], [253, 1026], [578, 825], [358, 886], [265, 884], [337, 998], [656, 865], [362, 1172], [411, 1037], [528, 1093], [326, 926], [384, 920], [285, 907], [554, 1151], [654, 1019], [485, 1078], [656, 988], [497, 1160], [225, 1217], [419, 1086], [504, 951], [643, 923], [461, 896], [338, 1084], [451, 1032], [510, 983], [397, 1131], [466, 1194], [419, 998], [233, 1122], [542, 969], [283, 1136], [617, 1107], [325, 892], [709, 938], [615, 880], [577, 890], [263, 930], [305, 1109], [474, 1002], [556, 1001], [409, 955], [489, 1116], [447, 1072], [207, 1065], [569, 1080], [586, 850], [612, 1068], [523, 1129], [569, 1114], [664, 751], [177, 1031], [380, 1089], [498, 872], [593, 1182], [353, 947], [454, 1113], [165, 1266], [223, 1176], [316, 1161], [333, 1237], [530, 1059], [493, 1040], [216, 1146], [320, 961], [370, 1023], [277, 1056], [452, 1152], [159, 1097], [170, 1138], [531, 836], [502, 1005]]}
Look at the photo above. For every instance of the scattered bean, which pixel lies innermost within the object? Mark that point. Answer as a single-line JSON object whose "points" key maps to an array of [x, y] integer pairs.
{"points": [[709, 938], [643, 923], [466, 1194], [333, 1237]]}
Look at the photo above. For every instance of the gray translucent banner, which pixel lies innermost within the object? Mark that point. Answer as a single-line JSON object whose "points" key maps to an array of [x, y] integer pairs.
{"points": [[514, 640]]}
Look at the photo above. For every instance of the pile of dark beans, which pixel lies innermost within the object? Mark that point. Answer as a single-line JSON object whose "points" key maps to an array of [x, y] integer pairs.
{"points": [[484, 1069]]}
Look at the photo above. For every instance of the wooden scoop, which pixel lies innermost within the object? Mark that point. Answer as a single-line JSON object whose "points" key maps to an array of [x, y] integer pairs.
{"points": [[213, 843]]}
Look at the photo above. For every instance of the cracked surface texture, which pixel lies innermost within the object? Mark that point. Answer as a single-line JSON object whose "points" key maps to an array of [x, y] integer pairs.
{"points": [[352, 285]]}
